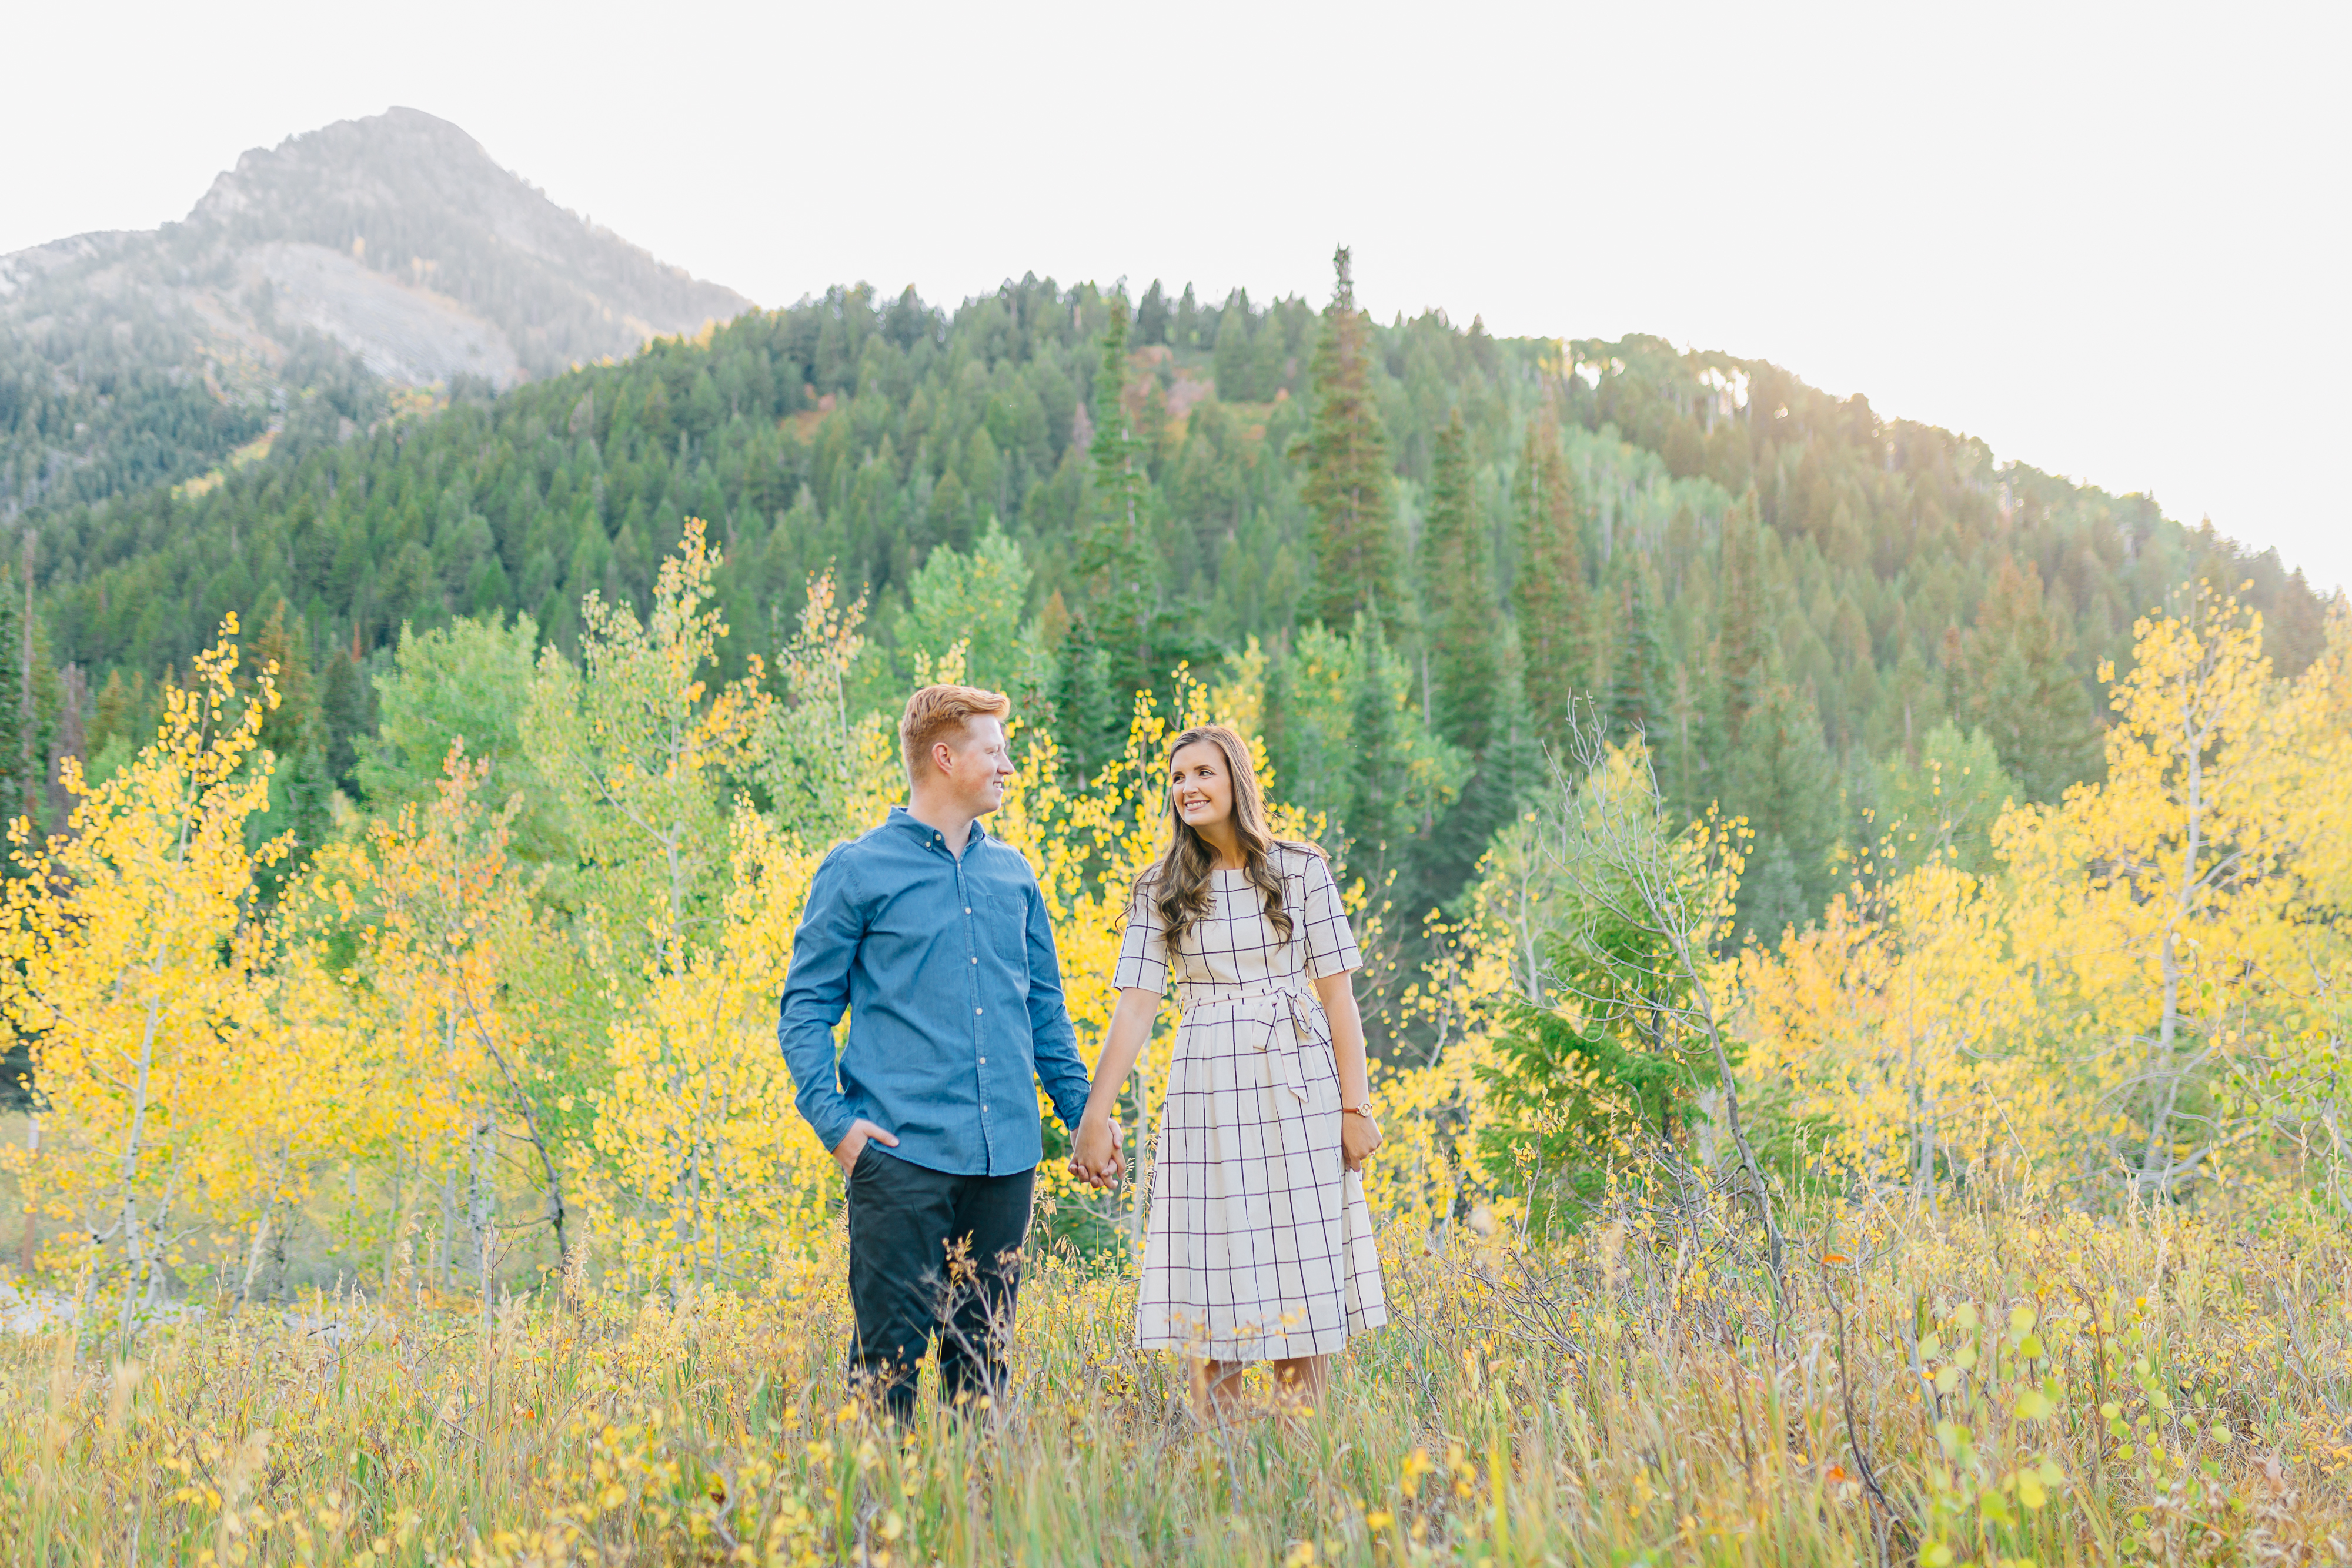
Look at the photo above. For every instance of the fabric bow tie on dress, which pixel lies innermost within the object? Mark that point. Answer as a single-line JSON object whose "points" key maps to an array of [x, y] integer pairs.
{"points": [[1290, 1015]]}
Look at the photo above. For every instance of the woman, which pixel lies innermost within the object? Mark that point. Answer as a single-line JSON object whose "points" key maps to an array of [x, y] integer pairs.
{"points": [[1261, 1246]]}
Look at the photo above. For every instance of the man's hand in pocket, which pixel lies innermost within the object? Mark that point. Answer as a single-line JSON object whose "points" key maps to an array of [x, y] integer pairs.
{"points": [[854, 1144]]}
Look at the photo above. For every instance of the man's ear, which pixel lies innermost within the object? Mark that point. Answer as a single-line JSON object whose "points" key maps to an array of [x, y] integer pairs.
{"points": [[943, 757]]}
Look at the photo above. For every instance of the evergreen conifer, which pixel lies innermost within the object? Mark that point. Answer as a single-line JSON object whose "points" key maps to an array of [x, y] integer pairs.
{"points": [[1784, 783], [1640, 685], [1743, 638], [1465, 653], [1348, 477], [1235, 370], [1548, 590], [2016, 679]]}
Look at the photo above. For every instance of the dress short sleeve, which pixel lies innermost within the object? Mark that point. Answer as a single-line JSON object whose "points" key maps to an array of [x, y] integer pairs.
{"points": [[1143, 951], [1331, 944]]}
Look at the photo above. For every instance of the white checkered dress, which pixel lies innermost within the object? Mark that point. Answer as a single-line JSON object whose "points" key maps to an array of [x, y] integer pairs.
{"points": [[1260, 1244]]}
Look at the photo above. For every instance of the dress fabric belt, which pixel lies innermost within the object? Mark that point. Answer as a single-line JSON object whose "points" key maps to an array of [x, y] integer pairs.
{"points": [[1288, 1014]]}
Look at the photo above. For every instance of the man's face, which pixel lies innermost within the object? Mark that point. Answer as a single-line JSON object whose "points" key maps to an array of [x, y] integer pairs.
{"points": [[975, 766]]}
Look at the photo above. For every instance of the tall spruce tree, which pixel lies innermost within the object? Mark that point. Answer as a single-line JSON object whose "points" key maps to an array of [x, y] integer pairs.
{"points": [[1470, 705], [1235, 371], [2017, 679], [29, 705], [1466, 653], [1115, 557], [1151, 315], [1548, 596], [1743, 633], [1348, 477], [1640, 685], [1086, 727], [1785, 784], [1269, 355]]}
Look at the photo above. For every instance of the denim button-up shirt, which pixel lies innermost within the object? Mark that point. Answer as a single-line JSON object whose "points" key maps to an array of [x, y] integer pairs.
{"points": [[947, 970]]}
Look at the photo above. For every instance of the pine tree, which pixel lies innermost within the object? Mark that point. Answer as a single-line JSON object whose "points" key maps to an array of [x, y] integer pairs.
{"points": [[1084, 720], [2015, 677], [1639, 684], [1269, 356], [1784, 784], [1548, 590], [1137, 639], [1743, 635], [1347, 479], [1773, 898], [1235, 371], [1465, 655], [1151, 316], [347, 710], [1469, 702], [28, 704], [1184, 330], [1380, 784]]}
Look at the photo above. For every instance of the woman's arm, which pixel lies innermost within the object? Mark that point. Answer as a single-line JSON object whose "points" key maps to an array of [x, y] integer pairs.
{"points": [[1096, 1156], [1359, 1135]]}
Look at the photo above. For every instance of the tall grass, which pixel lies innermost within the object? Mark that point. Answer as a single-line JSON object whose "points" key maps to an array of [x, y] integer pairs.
{"points": [[2156, 1385]]}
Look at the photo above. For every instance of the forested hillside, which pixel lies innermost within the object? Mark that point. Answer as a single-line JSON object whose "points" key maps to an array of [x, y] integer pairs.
{"points": [[1802, 604], [311, 283]]}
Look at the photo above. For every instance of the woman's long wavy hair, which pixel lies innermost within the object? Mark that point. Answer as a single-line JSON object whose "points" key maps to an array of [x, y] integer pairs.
{"points": [[1178, 882]]}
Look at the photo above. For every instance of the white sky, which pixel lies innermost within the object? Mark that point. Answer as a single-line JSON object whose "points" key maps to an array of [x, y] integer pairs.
{"points": [[2108, 239]]}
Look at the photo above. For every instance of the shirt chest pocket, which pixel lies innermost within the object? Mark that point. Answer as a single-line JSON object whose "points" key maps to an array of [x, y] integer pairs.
{"points": [[1000, 929]]}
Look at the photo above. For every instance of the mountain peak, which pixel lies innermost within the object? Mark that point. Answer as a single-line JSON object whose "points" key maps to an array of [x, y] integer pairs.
{"points": [[409, 194], [397, 136], [394, 244]]}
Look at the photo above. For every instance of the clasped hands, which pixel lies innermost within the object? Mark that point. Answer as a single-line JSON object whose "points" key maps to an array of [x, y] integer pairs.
{"points": [[1098, 1154]]}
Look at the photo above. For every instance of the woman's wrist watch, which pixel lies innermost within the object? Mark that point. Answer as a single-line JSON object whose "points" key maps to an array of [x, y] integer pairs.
{"points": [[1364, 1109]]}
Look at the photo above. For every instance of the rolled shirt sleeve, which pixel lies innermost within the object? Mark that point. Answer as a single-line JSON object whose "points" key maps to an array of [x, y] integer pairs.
{"points": [[816, 993]]}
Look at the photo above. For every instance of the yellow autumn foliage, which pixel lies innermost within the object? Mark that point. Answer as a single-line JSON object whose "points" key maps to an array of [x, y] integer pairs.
{"points": [[134, 969], [701, 1172]]}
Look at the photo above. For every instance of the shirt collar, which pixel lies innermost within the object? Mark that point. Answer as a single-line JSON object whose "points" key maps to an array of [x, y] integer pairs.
{"points": [[906, 823]]}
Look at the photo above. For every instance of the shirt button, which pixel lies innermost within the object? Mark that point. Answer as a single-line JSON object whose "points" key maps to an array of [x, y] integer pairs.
{"points": [[967, 909], [980, 1009], [983, 1061]]}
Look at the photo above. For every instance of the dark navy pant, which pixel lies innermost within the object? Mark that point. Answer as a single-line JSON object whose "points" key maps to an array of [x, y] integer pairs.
{"points": [[933, 1256]]}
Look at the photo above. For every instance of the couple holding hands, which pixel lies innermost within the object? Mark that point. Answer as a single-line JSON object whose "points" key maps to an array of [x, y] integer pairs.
{"points": [[934, 937]]}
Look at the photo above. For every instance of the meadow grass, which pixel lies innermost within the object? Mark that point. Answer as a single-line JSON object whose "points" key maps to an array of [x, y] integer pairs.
{"points": [[2156, 1385]]}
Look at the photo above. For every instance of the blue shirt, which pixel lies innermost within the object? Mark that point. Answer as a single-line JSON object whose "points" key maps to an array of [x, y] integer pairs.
{"points": [[947, 970]]}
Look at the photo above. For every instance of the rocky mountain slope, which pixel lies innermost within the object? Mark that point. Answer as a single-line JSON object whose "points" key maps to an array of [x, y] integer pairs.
{"points": [[312, 281]]}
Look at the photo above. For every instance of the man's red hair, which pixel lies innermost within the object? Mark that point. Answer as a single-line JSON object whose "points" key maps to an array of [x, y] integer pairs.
{"points": [[938, 712]]}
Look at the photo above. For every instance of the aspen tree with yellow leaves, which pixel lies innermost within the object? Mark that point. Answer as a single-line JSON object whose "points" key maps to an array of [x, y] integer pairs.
{"points": [[704, 1173], [443, 912], [137, 969], [1898, 1021], [688, 908], [2154, 900]]}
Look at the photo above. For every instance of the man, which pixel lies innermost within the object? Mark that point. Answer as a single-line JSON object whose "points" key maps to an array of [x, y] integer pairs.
{"points": [[935, 937]]}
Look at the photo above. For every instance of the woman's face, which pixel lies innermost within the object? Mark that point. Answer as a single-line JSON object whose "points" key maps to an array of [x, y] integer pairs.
{"points": [[1200, 785]]}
